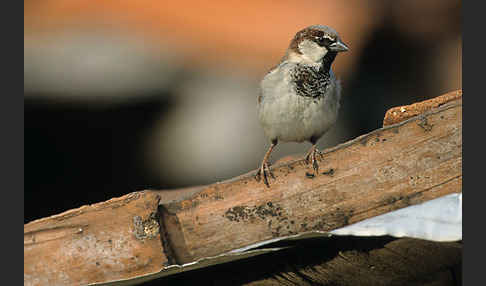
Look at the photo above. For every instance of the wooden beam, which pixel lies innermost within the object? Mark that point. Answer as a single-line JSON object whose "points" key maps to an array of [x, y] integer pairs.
{"points": [[116, 239], [390, 168], [141, 233], [401, 113]]}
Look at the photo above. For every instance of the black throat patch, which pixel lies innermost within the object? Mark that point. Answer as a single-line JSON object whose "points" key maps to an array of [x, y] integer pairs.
{"points": [[310, 81]]}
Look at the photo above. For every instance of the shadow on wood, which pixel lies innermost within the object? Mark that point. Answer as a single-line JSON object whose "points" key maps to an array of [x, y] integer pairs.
{"points": [[338, 261]]}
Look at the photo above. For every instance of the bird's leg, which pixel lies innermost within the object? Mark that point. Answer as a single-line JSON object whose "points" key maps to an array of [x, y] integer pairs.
{"points": [[264, 169], [311, 156]]}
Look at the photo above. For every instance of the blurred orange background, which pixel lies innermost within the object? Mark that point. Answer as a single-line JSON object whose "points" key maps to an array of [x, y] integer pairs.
{"points": [[127, 95]]}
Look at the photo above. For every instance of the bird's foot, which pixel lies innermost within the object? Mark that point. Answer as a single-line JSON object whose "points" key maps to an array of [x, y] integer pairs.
{"points": [[264, 171], [311, 158]]}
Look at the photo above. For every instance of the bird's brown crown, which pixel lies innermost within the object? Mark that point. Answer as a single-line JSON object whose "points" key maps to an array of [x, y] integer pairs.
{"points": [[322, 35]]}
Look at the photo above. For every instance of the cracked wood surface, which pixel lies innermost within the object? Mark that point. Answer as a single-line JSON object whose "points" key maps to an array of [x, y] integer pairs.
{"points": [[393, 167], [116, 239], [390, 168]]}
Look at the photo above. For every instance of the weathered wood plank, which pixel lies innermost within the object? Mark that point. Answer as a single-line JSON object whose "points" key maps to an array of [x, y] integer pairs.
{"points": [[401, 113], [116, 239], [389, 168]]}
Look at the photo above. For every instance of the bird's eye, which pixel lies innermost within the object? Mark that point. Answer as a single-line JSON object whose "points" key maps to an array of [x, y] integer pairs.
{"points": [[323, 41]]}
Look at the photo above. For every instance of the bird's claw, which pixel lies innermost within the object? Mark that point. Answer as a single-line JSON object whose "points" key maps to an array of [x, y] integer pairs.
{"points": [[311, 158], [263, 171], [315, 166]]}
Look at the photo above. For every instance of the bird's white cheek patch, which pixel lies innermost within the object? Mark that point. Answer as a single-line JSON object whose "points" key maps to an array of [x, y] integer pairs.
{"points": [[312, 51]]}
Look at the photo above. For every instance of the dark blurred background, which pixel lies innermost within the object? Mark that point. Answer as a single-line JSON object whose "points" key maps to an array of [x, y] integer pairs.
{"points": [[123, 96]]}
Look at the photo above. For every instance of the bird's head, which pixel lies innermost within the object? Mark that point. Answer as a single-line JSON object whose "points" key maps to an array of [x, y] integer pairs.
{"points": [[314, 45]]}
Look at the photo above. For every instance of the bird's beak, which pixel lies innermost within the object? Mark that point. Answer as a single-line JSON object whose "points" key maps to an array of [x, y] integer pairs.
{"points": [[338, 47]]}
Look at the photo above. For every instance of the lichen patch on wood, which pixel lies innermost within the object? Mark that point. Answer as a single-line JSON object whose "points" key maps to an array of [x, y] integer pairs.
{"points": [[146, 229]]}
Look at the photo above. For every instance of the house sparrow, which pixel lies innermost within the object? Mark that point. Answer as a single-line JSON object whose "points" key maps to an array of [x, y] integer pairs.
{"points": [[299, 98]]}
